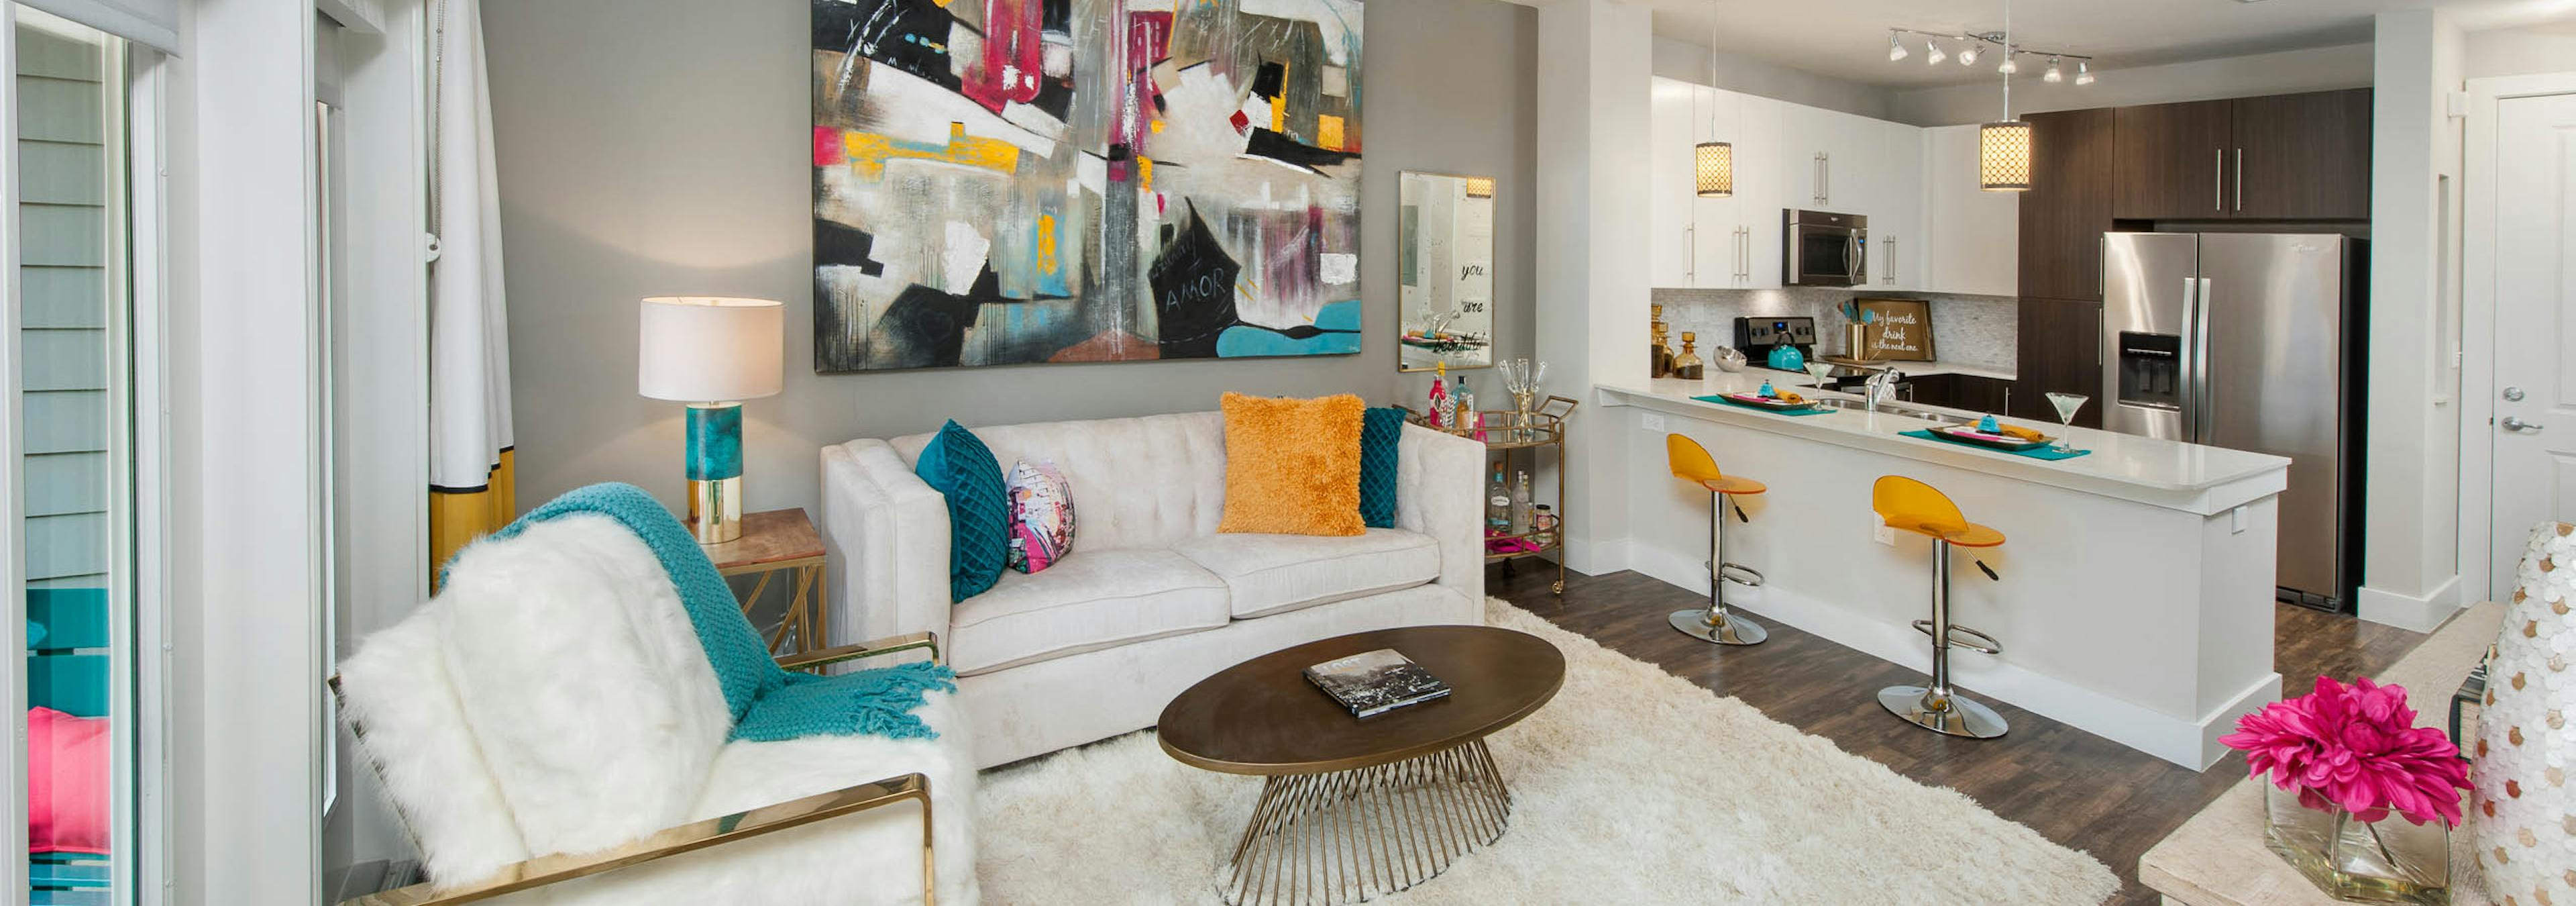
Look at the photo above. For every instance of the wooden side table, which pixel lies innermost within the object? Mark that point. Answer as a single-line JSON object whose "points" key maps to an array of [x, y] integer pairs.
{"points": [[772, 542]]}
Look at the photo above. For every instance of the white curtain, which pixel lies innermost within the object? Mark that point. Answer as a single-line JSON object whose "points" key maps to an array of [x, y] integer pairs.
{"points": [[469, 342]]}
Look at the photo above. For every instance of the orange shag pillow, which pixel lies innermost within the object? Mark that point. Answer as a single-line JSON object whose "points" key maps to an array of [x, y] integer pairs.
{"points": [[1292, 467]]}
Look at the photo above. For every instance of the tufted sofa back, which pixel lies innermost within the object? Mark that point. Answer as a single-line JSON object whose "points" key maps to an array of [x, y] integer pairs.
{"points": [[1147, 482]]}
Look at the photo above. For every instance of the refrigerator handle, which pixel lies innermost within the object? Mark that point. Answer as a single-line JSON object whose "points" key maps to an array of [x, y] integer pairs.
{"points": [[2187, 369], [2205, 397]]}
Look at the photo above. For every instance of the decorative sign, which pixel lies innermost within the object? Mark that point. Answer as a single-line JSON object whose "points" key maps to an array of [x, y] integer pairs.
{"points": [[1902, 330]]}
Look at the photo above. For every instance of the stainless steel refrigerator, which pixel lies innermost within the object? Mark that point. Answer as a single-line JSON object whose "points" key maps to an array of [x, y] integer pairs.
{"points": [[2250, 341]]}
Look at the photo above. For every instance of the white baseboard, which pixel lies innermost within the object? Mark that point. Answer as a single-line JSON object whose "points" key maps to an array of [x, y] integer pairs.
{"points": [[1593, 558], [2415, 613], [2188, 741]]}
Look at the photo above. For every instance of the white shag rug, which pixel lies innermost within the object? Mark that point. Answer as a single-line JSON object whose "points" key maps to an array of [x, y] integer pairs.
{"points": [[1632, 786]]}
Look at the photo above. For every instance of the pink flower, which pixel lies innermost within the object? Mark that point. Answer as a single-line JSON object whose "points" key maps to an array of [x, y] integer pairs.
{"points": [[2356, 748]]}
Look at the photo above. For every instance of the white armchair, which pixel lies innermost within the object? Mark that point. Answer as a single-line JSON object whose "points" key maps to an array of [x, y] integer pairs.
{"points": [[551, 731]]}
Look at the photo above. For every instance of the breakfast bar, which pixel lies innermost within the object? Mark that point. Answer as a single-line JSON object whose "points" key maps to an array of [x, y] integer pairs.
{"points": [[2133, 596]]}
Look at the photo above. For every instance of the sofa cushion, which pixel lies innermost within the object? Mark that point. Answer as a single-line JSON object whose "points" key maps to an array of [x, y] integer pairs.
{"points": [[1087, 601], [1292, 466], [1267, 574], [1381, 430], [962, 469]]}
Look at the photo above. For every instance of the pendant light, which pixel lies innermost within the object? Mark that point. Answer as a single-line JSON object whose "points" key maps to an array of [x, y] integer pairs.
{"points": [[1713, 162], [2003, 147]]}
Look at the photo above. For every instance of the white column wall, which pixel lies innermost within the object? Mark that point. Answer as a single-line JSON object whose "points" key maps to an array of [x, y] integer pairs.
{"points": [[1596, 62], [2411, 525]]}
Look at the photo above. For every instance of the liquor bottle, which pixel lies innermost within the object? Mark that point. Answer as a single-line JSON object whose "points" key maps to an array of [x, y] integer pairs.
{"points": [[1438, 416], [1464, 402], [1687, 365], [1543, 525], [1521, 504], [1498, 506]]}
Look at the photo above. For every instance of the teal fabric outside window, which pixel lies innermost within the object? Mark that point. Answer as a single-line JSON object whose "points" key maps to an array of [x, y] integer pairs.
{"points": [[715, 442], [1381, 429], [962, 469], [768, 704]]}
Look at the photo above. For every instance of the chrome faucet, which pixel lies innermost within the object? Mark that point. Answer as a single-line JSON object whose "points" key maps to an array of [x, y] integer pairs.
{"points": [[1879, 387]]}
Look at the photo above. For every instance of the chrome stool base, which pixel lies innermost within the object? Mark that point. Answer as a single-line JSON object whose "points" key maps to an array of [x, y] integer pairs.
{"points": [[1734, 630], [1962, 716]]}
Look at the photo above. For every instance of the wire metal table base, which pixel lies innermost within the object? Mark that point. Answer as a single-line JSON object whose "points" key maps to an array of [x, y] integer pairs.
{"points": [[1346, 836]]}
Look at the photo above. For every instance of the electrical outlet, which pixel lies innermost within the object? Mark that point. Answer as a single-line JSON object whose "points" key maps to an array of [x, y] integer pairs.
{"points": [[1651, 421], [1879, 532]]}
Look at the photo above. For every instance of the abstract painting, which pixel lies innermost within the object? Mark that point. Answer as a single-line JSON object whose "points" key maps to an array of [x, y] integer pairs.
{"points": [[1002, 182]]}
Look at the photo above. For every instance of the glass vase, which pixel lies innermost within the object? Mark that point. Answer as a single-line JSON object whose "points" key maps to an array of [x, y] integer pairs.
{"points": [[2385, 861]]}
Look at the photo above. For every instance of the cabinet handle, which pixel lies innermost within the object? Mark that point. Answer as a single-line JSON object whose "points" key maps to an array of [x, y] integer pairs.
{"points": [[2240, 179], [2102, 268], [1691, 233], [2008, 409], [2218, 179], [1889, 278], [1744, 259], [1828, 195]]}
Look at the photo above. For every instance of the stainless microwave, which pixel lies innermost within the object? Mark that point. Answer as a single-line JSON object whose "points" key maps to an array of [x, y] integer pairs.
{"points": [[1822, 248]]}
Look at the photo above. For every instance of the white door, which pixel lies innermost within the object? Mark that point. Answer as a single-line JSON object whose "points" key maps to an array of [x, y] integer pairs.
{"points": [[2535, 318]]}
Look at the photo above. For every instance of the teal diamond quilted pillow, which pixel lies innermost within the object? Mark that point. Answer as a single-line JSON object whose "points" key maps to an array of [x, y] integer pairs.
{"points": [[962, 469], [1380, 429]]}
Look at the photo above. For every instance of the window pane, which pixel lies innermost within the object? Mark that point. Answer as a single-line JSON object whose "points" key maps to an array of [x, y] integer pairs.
{"points": [[73, 461]]}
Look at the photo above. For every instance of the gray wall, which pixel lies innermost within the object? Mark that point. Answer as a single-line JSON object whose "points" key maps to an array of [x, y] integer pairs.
{"points": [[659, 147]]}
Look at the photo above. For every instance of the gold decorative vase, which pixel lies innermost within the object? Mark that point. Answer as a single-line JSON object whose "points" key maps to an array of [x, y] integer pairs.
{"points": [[2385, 861]]}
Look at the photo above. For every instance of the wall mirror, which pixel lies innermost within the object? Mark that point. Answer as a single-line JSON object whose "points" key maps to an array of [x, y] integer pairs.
{"points": [[1445, 271]]}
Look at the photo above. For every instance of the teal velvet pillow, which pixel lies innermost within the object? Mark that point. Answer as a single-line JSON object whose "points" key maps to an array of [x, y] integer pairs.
{"points": [[1380, 429], [962, 469]]}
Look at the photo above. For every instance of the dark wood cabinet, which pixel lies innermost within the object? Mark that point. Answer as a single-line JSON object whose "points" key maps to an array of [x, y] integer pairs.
{"points": [[2277, 157], [2060, 351], [1972, 392], [2172, 162], [2302, 156], [2068, 206]]}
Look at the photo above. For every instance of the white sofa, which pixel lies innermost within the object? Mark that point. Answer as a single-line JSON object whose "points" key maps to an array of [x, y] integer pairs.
{"points": [[1152, 599]]}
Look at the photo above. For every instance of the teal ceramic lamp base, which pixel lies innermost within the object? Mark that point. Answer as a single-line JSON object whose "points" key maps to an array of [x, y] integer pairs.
{"points": [[715, 471]]}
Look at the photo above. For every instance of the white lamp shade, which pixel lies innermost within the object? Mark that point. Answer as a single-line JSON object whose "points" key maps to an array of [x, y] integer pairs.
{"points": [[700, 349]]}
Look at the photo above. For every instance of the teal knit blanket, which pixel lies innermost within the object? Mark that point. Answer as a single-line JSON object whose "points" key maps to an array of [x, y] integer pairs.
{"points": [[768, 703]]}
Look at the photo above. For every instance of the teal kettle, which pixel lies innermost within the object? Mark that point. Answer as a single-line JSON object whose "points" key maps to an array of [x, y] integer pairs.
{"points": [[1785, 357]]}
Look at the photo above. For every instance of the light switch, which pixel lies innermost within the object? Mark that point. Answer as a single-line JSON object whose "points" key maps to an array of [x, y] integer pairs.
{"points": [[1881, 533], [1651, 421], [2236, 521]]}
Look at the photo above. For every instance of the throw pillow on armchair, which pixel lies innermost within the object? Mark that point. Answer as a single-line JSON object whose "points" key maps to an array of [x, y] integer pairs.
{"points": [[1292, 466]]}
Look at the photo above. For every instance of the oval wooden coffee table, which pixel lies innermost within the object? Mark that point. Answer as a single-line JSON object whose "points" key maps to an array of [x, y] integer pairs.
{"points": [[1356, 807]]}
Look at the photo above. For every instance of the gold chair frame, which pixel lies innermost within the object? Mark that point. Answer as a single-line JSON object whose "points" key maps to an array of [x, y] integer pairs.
{"points": [[697, 835]]}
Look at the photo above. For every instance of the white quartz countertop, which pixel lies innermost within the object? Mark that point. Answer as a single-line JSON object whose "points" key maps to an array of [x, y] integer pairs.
{"points": [[2193, 477]]}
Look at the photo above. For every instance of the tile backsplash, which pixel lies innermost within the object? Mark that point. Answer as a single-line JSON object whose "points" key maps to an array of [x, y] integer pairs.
{"points": [[1967, 330]]}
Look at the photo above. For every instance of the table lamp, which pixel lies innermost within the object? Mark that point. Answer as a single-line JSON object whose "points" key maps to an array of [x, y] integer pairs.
{"points": [[711, 353]]}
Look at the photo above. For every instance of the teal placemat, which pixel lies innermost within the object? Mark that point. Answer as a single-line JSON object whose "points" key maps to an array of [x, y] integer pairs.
{"points": [[1811, 410], [2049, 452]]}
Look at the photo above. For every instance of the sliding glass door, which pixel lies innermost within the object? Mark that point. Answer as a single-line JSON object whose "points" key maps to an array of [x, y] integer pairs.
{"points": [[74, 528]]}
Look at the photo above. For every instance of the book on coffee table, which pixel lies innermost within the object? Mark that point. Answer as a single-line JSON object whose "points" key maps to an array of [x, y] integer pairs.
{"points": [[1375, 682]]}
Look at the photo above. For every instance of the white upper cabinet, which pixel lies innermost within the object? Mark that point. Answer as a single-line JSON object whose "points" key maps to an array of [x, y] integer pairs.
{"points": [[1786, 156], [1977, 249], [1669, 248]]}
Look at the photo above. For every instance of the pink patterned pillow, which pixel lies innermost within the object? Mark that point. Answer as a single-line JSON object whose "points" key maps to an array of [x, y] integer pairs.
{"points": [[66, 783], [1041, 516]]}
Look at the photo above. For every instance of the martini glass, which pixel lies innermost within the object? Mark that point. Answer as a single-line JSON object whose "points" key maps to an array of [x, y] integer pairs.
{"points": [[1818, 370], [2067, 405]]}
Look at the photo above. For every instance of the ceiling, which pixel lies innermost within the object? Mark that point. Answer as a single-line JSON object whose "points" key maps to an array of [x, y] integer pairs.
{"points": [[1847, 39]]}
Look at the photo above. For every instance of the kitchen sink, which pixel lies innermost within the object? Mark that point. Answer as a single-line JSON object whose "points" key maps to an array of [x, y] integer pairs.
{"points": [[1904, 409]]}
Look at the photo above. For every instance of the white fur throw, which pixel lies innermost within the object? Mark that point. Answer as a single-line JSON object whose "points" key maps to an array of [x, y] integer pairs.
{"points": [[554, 699]]}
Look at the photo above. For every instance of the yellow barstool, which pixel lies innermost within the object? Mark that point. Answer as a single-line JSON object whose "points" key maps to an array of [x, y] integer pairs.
{"points": [[1691, 463], [1910, 505]]}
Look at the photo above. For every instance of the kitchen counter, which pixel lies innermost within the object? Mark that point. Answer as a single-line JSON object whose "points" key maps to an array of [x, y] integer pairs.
{"points": [[2136, 592], [2189, 477]]}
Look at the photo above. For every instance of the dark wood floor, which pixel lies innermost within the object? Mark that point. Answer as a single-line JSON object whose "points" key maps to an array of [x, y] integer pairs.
{"points": [[2076, 788]]}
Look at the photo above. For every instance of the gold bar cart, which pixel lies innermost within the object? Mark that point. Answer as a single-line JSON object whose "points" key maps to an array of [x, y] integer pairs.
{"points": [[1504, 432]]}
